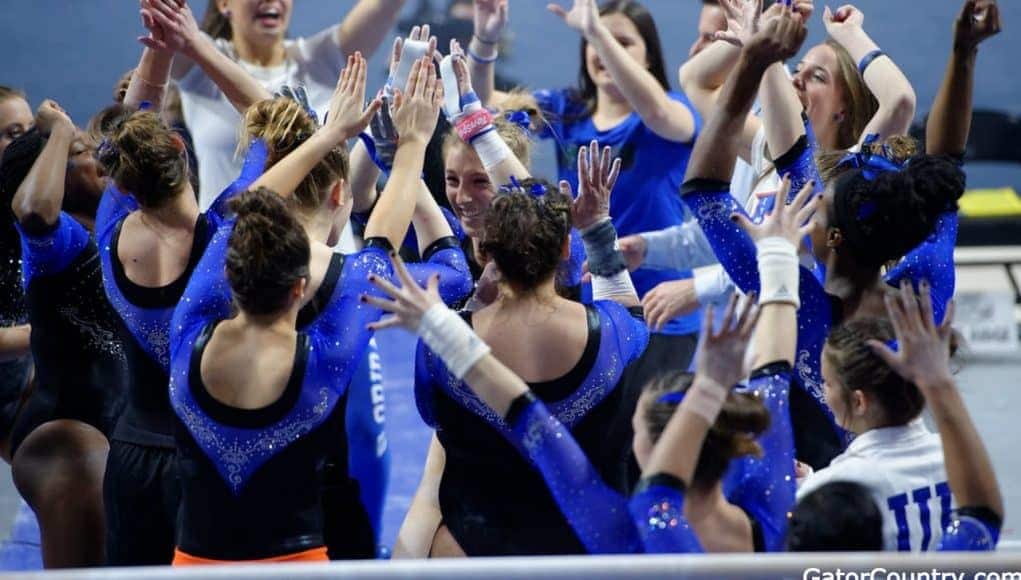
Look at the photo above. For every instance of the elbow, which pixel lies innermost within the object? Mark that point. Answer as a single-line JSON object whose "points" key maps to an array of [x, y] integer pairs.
{"points": [[35, 215], [685, 77]]}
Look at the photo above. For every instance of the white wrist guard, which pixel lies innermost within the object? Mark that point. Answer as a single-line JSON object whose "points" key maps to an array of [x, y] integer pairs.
{"points": [[450, 337], [616, 285], [778, 271], [491, 149], [413, 50]]}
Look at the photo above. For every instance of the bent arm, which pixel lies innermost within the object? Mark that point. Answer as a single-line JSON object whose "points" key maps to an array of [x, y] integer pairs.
{"points": [[367, 24], [36, 204]]}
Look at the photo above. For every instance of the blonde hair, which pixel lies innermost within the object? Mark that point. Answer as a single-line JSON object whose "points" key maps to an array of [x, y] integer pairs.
{"points": [[860, 104], [896, 148], [519, 140], [145, 157], [284, 125]]}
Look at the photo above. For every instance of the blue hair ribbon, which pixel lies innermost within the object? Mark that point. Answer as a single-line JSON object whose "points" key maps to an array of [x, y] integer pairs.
{"points": [[893, 345], [675, 397], [536, 189], [521, 119], [871, 165]]}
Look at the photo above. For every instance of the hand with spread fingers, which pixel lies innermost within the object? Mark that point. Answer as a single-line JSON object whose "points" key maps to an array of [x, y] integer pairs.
{"points": [[596, 177], [348, 115], [583, 15], [791, 221], [490, 20], [922, 353], [416, 110], [409, 301], [720, 357]]}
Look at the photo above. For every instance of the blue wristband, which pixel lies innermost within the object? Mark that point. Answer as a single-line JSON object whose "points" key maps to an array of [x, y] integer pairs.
{"points": [[481, 60], [867, 60]]}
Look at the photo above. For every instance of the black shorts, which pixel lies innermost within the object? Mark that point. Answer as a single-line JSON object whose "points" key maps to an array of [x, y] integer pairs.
{"points": [[141, 493]]}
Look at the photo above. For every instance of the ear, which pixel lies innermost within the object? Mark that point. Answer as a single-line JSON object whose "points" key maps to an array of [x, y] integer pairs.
{"points": [[178, 142], [565, 249], [859, 403], [337, 194], [298, 290], [223, 6], [834, 238]]}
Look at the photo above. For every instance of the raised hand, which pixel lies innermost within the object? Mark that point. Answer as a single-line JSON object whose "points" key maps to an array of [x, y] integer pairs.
{"points": [[742, 21], [398, 70], [348, 115], [171, 24], [978, 20], [409, 301], [416, 110], [721, 353], [790, 221], [847, 18], [777, 39], [922, 355], [51, 115], [583, 16], [596, 178], [490, 20]]}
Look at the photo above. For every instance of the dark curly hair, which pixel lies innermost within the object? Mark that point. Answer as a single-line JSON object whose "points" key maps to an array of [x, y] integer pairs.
{"points": [[524, 234], [267, 253], [885, 218], [742, 418]]}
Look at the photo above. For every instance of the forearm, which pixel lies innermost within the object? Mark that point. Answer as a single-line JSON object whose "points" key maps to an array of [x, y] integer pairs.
{"points": [[969, 468], [682, 247], [664, 116], [367, 24], [885, 80], [393, 211], [776, 335], [717, 147], [703, 74], [285, 176], [240, 88], [41, 194], [362, 179], [428, 221], [781, 110], [483, 74], [15, 342], [415, 538], [946, 131], [149, 81]]}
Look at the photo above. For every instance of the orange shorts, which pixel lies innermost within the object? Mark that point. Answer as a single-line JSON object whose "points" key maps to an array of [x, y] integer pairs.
{"points": [[313, 555]]}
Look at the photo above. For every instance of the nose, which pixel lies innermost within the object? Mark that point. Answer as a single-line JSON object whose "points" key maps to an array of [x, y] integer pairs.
{"points": [[798, 80]]}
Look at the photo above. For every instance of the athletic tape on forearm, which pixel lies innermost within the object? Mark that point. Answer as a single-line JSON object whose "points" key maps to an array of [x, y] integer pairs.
{"points": [[604, 256], [450, 337], [705, 399], [413, 50], [778, 271], [615, 286]]}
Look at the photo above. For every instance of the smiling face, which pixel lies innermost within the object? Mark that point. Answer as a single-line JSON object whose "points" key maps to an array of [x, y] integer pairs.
{"points": [[626, 33], [819, 87], [15, 120], [258, 21], [469, 189]]}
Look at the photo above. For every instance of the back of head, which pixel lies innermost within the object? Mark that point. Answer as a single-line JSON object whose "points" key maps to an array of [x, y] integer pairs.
{"points": [[145, 158], [742, 418], [838, 517], [267, 254], [525, 234], [885, 215], [283, 125], [858, 368], [859, 103]]}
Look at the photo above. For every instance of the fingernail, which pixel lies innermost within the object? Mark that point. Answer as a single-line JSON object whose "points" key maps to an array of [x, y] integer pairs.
{"points": [[362, 298], [372, 277]]}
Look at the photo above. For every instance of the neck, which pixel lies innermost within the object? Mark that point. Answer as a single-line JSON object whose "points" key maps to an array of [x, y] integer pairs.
{"points": [[262, 54], [701, 505], [266, 324], [827, 136], [848, 281], [610, 103], [88, 221], [317, 227], [178, 213], [511, 297]]}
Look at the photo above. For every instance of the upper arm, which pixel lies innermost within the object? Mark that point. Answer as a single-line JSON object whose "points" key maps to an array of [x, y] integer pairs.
{"points": [[208, 295], [367, 25], [415, 538], [675, 121], [49, 250]]}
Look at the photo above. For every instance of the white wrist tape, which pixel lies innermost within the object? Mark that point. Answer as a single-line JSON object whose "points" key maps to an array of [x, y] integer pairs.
{"points": [[413, 50], [491, 149], [616, 285], [450, 337], [705, 400], [778, 271]]}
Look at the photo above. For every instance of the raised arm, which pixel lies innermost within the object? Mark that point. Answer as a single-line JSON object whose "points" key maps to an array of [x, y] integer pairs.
{"points": [[666, 117], [348, 116], [889, 85], [173, 28], [922, 356], [149, 80], [946, 131], [367, 24], [490, 20], [36, 204]]}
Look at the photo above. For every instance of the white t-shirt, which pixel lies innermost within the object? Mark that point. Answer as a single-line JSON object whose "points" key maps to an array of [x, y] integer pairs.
{"points": [[215, 125], [903, 467]]}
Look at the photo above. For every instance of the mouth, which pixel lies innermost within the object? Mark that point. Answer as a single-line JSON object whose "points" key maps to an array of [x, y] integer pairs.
{"points": [[269, 17], [469, 213]]}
